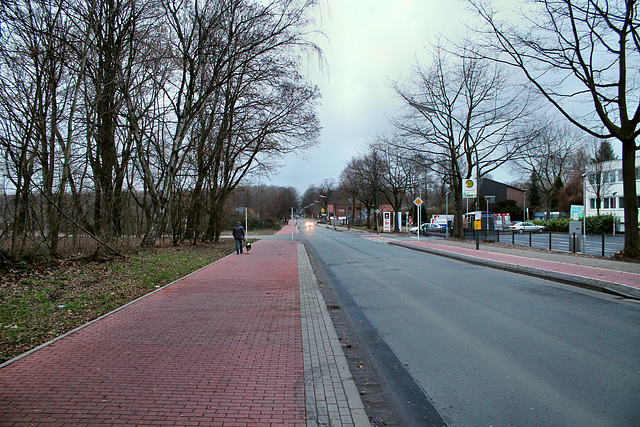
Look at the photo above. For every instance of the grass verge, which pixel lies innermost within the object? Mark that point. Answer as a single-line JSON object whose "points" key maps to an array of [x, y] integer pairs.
{"points": [[42, 302]]}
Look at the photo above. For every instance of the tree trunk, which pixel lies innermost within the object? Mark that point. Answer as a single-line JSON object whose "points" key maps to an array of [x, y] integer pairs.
{"points": [[194, 215], [631, 233], [458, 223]]}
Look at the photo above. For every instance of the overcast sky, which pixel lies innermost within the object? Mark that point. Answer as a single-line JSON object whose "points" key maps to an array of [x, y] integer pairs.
{"points": [[368, 42]]}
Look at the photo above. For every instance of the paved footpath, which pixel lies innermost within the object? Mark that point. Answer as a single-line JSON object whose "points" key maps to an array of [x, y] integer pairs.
{"points": [[246, 341]]}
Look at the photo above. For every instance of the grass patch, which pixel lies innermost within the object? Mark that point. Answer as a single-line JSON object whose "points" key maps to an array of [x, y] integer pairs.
{"points": [[42, 302]]}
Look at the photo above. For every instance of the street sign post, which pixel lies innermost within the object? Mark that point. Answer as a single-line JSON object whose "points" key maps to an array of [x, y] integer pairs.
{"points": [[418, 202], [477, 226]]}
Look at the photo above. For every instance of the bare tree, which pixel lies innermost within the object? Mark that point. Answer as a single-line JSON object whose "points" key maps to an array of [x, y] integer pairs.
{"points": [[327, 195], [267, 202], [355, 189], [354, 183], [19, 115], [473, 122], [399, 172], [582, 52], [549, 157], [369, 169], [154, 108], [113, 26], [35, 101], [310, 201], [230, 98]]}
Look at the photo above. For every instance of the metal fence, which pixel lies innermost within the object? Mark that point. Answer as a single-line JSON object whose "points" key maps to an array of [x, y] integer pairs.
{"points": [[603, 245]]}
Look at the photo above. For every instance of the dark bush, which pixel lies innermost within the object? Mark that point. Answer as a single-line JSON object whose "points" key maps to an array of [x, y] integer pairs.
{"points": [[601, 224]]}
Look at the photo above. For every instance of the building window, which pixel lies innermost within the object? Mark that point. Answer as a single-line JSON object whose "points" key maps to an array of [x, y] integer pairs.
{"points": [[638, 172], [609, 203], [620, 179], [592, 204], [620, 202]]}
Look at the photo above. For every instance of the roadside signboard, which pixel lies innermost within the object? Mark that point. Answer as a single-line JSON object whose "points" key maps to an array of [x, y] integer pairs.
{"points": [[417, 201], [469, 189], [477, 224], [387, 222], [577, 212]]}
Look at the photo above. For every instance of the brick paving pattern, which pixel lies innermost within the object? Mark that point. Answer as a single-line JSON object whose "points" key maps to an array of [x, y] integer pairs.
{"points": [[222, 346]]}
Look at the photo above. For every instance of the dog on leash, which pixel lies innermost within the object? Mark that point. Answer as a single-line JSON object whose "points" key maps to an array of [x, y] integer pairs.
{"points": [[248, 247]]}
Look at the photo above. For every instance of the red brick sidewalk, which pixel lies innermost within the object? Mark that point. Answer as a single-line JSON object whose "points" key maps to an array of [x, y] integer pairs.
{"points": [[286, 230], [220, 347]]}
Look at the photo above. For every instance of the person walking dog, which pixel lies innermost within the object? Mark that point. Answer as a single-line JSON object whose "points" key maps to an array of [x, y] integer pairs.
{"points": [[238, 235]]}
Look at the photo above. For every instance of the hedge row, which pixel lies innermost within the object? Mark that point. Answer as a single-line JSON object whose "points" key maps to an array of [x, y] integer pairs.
{"points": [[601, 224]]}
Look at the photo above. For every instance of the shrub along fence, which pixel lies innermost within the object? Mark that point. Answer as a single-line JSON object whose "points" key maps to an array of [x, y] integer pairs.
{"points": [[601, 224]]}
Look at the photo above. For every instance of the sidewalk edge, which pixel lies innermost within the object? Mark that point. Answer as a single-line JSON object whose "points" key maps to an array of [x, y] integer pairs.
{"points": [[321, 365]]}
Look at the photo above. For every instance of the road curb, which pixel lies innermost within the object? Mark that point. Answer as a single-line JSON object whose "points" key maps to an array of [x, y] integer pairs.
{"points": [[569, 279]]}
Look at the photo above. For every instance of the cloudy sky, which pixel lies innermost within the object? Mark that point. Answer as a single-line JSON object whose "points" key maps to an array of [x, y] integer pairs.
{"points": [[367, 42]]}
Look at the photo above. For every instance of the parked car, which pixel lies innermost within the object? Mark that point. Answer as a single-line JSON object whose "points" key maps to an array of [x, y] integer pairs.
{"points": [[522, 226], [428, 228], [443, 226]]}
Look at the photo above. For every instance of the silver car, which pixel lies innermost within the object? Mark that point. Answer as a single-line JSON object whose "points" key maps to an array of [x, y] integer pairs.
{"points": [[522, 226], [428, 228]]}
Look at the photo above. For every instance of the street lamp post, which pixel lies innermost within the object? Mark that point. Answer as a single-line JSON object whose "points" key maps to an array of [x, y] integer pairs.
{"points": [[321, 208], [292, 223], [614, 215], [524, 193]]}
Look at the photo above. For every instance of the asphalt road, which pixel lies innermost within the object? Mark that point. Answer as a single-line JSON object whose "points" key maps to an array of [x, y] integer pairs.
{"points": [[490, 347]]}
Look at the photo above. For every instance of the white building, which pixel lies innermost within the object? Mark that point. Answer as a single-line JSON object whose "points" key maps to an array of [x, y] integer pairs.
{"points": [[610, 189]]}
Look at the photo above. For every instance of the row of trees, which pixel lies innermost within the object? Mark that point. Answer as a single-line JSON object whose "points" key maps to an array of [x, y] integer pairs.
{"points": [[579, 53], [551, 174], [123, 117], [480, 104]]}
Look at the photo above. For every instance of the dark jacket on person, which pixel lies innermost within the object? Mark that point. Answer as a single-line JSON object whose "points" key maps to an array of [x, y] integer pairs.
{"points": [[238, 232]]}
